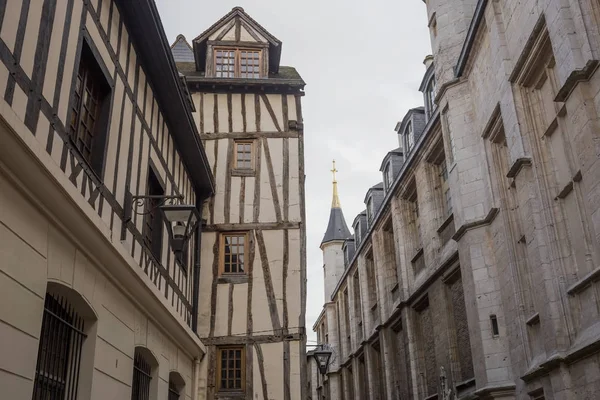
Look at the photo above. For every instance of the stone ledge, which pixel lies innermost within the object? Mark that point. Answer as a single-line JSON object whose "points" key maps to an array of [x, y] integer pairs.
{"points": [[581, 284], [460, 232], [499, 389], [517, 166], [576, 76]]}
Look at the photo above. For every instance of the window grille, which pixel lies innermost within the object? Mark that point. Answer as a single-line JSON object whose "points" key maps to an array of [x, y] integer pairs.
{"points": [[173, 393], [59, 352], [140, 389]]}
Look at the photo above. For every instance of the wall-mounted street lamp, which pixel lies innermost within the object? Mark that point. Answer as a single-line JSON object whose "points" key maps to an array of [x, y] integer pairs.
{"points": [[322, 355], [181, 219]]}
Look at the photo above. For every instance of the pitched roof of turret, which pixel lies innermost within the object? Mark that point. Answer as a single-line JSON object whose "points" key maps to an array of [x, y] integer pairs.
{"points": [[337, 228]]}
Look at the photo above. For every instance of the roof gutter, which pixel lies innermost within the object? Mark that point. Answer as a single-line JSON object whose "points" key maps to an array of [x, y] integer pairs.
{"points": [[470, 39], [146, 28]]}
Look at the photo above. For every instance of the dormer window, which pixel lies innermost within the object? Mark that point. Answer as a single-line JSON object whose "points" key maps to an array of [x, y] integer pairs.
{"points": [[430, 93], [410, 138], [370, 211], [237, 63], [357, 232], [388, 176]]}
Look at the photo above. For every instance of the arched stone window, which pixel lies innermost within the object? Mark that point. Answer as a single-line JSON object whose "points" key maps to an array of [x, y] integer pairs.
{"points": [[66, 348], [176, 386], [145, 375]]}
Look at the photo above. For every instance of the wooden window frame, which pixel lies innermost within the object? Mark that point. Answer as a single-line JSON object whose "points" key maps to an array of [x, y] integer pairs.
{"points": [[153, 229], [222, 237], [252, 154], [242, 368], [90, 70], [237, 70]]}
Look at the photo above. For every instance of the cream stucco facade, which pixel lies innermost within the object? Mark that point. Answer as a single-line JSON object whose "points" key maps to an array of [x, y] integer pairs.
{"points": [[87, 294], [258, 309]]}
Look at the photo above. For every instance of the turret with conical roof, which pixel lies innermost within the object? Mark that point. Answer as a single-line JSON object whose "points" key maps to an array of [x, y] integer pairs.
{"points": [[331, 245], [337, 228]]}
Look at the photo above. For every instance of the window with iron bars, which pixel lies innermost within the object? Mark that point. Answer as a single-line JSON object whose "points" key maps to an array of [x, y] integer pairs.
{"points": [[59, 352], [173, 392], [140, 388]]}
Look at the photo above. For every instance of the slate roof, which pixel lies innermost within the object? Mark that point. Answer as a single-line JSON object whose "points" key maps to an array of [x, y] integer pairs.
{"points": [[337, 228], [182, 51]]}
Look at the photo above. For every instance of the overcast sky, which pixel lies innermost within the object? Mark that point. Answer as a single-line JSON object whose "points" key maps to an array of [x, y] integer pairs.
{"points": [[363, 63]]}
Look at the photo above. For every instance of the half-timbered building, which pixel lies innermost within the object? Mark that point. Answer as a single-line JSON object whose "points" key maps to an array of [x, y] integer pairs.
{"points": [[253, 280], [96, 134]]}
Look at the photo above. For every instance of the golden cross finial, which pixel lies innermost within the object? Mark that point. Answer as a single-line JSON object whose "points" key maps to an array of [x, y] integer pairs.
{"points": [[335, 203], [334, 171]]}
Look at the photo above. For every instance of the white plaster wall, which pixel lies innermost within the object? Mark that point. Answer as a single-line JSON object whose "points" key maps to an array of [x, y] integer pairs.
{"points": [[34, 251]]}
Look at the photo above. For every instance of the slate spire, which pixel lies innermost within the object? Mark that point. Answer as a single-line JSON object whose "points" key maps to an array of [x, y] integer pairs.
{"points": [[337, 228]]}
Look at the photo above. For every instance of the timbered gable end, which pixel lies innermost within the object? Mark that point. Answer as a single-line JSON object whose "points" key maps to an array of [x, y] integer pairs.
{"points": [[78, 78], [237, 47], [254, 286]]}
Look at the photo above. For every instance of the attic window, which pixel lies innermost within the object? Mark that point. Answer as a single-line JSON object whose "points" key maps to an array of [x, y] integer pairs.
{"points": [[237, 63], [410, 137], [388, 176]]}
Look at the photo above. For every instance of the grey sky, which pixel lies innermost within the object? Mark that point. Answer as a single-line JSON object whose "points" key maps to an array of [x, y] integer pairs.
{"points": [[362, 62]]}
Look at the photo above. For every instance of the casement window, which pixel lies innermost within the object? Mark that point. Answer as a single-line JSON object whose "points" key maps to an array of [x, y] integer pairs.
{"points": [[238, 63], [231, 371], [233, 253], [430, 93], [90, 103], [370, 210], [59, 352], [410, 137], [244, 154], [153, 225]]}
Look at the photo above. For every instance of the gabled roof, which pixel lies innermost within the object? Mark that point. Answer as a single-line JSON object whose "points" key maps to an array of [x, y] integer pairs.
{"points": [[378, 187], [397, 151], [400, 126], [182, 51], [200, 42]]}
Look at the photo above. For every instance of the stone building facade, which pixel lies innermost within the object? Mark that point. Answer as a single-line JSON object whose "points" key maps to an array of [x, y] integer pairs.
{"points": [[95, 302], [253, 280], [475, 274]]}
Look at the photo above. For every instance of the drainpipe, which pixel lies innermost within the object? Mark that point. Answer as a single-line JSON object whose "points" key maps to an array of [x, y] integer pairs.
{"points": [[196, 277], [195, 373]]}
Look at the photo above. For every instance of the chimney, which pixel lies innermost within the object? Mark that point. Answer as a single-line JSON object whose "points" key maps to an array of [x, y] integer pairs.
{"points": [[428, 61]]}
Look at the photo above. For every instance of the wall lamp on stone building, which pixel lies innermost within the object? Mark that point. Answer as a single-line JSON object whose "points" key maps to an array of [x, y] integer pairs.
{"points": [[322, 355], [181, 219]]}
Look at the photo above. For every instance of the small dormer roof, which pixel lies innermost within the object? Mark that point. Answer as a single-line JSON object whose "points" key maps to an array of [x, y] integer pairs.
{"points": [[378, 187], [397, 151], [401, 126], [361, 215], [182, 51], [237, 19]]}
